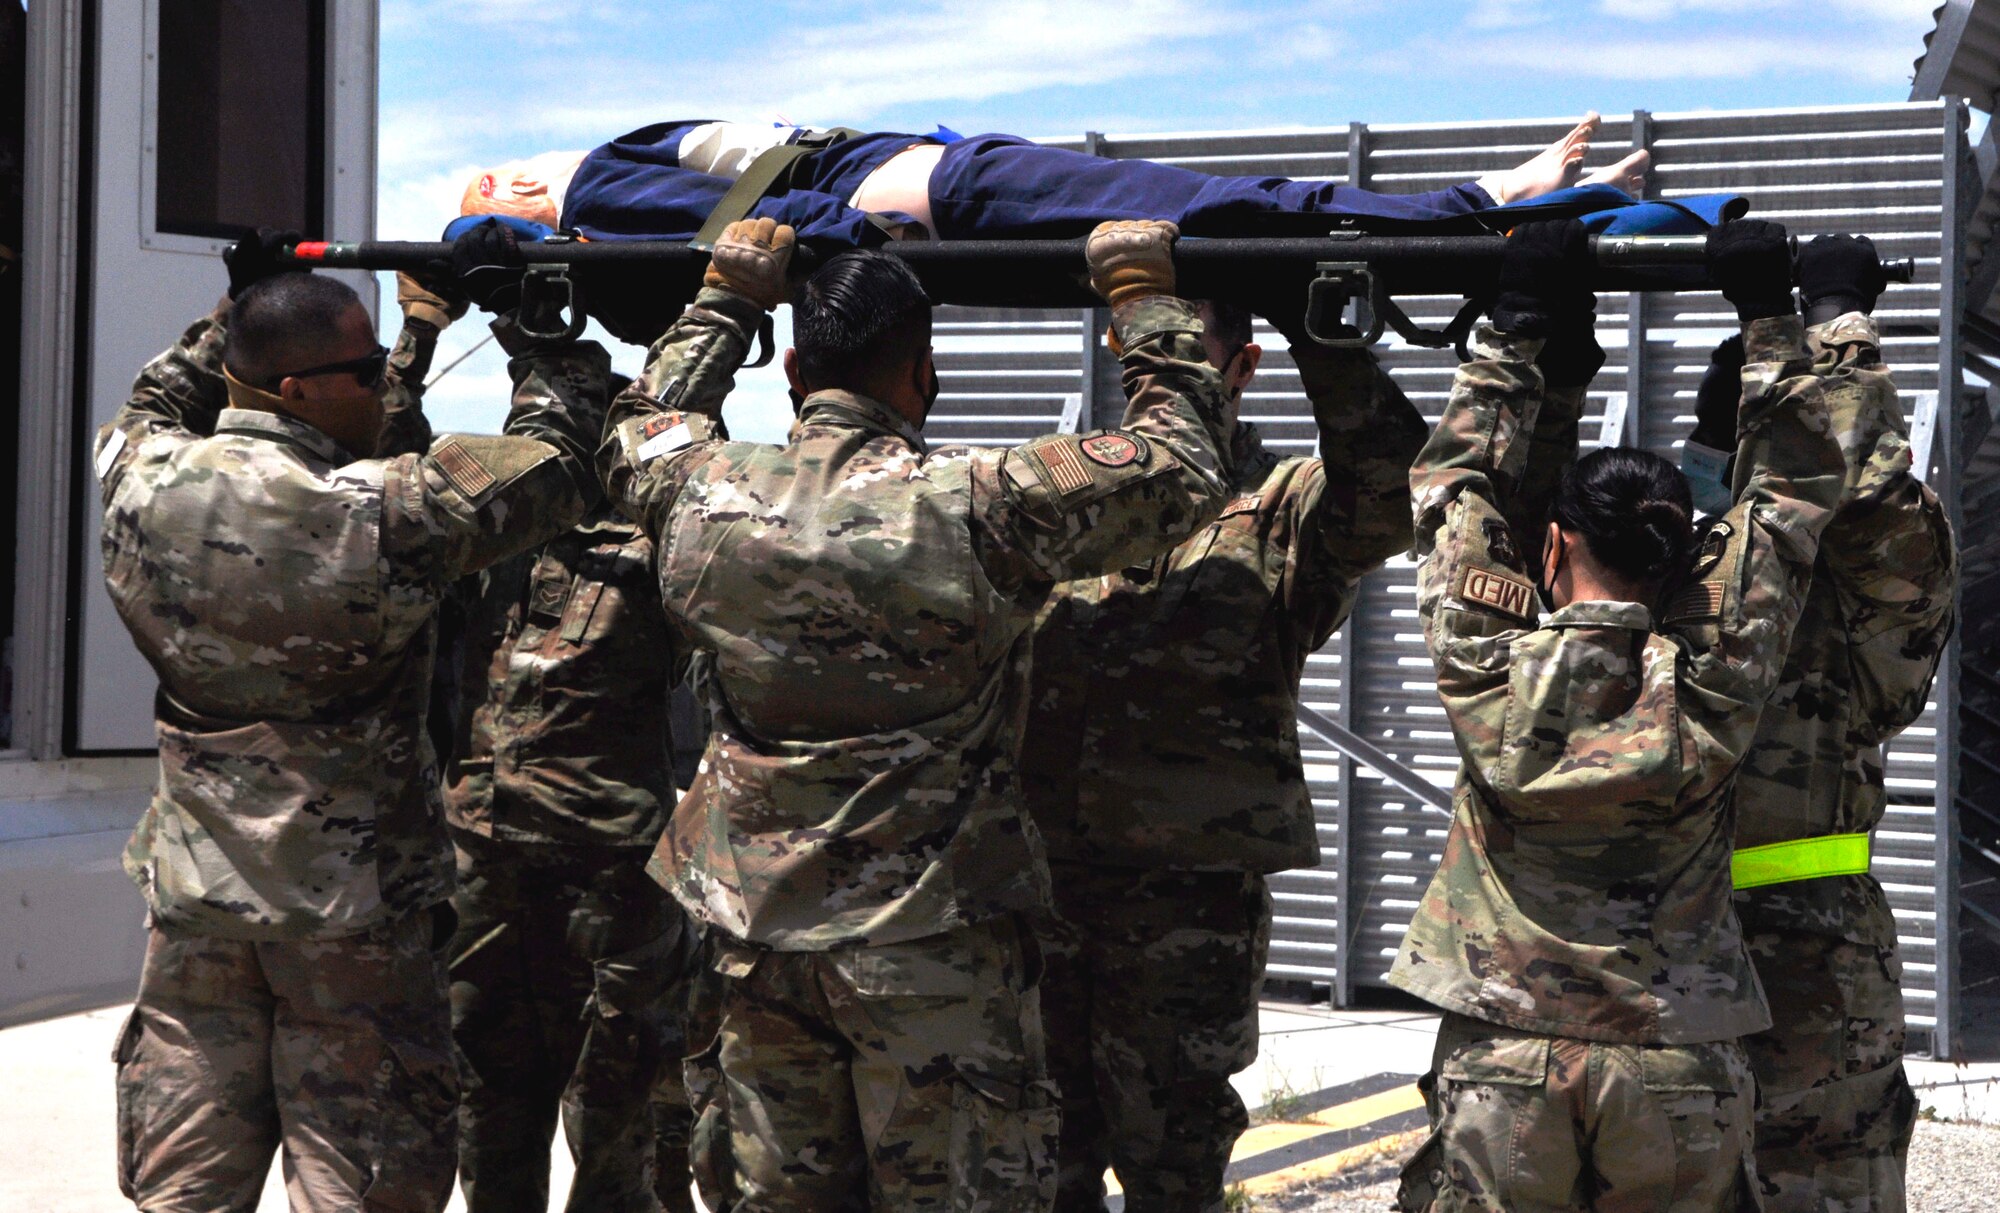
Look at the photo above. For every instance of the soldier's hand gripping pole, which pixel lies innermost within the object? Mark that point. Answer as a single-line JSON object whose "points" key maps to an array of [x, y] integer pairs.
{"points": [[1043, 273]]}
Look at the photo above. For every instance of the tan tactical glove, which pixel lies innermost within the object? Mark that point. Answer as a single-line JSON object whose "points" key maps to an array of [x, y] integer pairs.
{"points": [[1131, 259], [436, 305], [751, 259]]}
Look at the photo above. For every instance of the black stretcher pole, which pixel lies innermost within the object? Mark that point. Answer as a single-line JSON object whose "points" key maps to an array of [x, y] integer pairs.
{"points": [[1414, 264], [647, 279]]}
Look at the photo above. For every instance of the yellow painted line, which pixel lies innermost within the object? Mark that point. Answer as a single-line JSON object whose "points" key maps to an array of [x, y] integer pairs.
{"points": [[1369, 1108], [1258, 1139], [1393, 1146]]}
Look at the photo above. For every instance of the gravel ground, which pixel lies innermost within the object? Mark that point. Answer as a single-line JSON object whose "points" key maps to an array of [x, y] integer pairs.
{"points": [[1952, 1170]]}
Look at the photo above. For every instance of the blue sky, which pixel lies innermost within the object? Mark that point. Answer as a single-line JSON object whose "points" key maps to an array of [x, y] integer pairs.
{"points": [[472, 82]]}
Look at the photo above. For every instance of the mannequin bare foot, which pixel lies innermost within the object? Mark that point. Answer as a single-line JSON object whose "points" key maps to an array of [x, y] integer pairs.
{"points": [[1628, 174], [1554, 168]]}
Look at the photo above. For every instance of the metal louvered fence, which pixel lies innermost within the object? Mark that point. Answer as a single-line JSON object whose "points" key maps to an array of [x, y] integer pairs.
{"points": [[1894, 172]]}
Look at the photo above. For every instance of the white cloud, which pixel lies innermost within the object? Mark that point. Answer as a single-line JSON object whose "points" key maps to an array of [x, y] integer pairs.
{"points": [[1654, 11], [1506, 14]]}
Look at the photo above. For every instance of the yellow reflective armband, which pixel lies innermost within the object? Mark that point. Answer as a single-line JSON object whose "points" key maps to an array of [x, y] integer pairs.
{"points": [[1801, 859]]}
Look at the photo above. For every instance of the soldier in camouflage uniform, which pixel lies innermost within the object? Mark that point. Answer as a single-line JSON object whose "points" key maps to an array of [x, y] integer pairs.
{"points": [[1836, 1110], [1162, 766], [294, 856], [1579, 931], [568, 970], [859, 608]]}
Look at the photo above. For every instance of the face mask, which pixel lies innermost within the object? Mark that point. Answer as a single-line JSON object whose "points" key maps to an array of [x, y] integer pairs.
{"points": [[1707, 472], [931, 387]]}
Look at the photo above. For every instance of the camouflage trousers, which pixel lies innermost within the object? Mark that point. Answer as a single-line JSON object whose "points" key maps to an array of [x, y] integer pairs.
{"points": [[337, 1050], [1527, 1123], [568, 984], [902, 1076], [1834, 1128], [1150, 1004]]}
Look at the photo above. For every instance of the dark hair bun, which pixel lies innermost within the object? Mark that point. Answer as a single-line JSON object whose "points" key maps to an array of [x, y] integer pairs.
{"points": [[1634, 510]]}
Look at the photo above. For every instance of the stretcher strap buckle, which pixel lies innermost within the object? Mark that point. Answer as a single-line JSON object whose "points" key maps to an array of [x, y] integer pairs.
{"points": [[1800, 859]]}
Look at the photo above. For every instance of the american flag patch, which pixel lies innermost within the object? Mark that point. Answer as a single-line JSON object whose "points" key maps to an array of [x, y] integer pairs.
{"points": [[1702, 600], [462, 468], [1066, 468]]}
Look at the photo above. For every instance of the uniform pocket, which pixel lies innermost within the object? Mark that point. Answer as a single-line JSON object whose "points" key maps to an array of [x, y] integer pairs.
{"points": [[1693, 1068], [1003, 1143], [710, 1155], [1514, 1062], [131, 1092]]}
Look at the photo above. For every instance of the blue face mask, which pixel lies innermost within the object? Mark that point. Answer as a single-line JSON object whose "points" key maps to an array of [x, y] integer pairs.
{"points": [[1707, 472]]}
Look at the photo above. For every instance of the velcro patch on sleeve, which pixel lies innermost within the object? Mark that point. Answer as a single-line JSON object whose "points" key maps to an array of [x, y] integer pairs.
{"points": [[462, 469], [1503, 592], [1702, 600], [1067, 473], [663, 434]]}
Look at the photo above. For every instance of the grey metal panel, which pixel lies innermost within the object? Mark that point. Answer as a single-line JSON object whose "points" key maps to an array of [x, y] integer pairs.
{"points": [[1877, 170]]}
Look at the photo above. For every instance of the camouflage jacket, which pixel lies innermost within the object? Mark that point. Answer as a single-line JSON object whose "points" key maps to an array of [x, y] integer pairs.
{"points": [[1584, 887], [1862, 658], [565, 668], [284, 592], [859, 606], [1162, 726]]}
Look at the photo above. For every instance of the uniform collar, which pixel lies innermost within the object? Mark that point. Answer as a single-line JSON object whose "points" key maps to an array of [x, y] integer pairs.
{"points": [[1599, 613], [837, 407], [1244, 457], [280, 428]]}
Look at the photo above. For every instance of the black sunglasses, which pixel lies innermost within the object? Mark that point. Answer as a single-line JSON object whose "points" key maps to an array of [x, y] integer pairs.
{"points": [[369, 369]]}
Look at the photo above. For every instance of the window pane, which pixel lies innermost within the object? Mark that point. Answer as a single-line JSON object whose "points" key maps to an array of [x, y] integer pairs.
{"points": [[240, 103]]}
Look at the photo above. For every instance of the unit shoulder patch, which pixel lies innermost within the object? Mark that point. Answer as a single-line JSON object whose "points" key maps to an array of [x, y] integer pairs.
{"points": [[1115, 449], [462, 468], [1503, 592]]}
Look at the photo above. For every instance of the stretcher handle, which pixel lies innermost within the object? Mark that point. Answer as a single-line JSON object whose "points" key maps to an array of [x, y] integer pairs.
{"points": [[1431, 260]]}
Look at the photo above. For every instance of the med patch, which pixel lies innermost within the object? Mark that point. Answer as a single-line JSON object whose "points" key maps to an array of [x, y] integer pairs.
{"points": [[1501, 592]]}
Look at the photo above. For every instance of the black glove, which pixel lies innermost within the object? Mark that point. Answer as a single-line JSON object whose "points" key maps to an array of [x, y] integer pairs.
{"points": [[1545, 280], [1751, 260], [1716, 400], [487, 262], [1838, 275], [254, 257]]}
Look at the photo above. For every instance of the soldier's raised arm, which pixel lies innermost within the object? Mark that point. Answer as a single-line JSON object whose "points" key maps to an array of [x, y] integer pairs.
{"points": [[1486, 476], [1736, 615], [473, 499], [428, 307], [1081, 505], [1889, 549], [1351, 512], [669, 421]]}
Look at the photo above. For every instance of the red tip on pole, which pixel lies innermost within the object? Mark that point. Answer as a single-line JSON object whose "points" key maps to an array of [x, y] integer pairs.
{"points": [[309, 250]]}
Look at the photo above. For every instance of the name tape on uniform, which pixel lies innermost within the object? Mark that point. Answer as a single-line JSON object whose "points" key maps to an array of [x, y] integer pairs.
{"points": [[663, 434], [109, 455], [1492, 588]]}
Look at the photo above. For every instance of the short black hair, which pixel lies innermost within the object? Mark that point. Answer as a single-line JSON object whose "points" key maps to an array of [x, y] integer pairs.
{"points": [[860, 314], [1230, 325], [1634, 510], [284, 323]]}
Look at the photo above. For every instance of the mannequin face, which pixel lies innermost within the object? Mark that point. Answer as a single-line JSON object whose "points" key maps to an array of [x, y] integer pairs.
{"points": [[529, 189]]}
